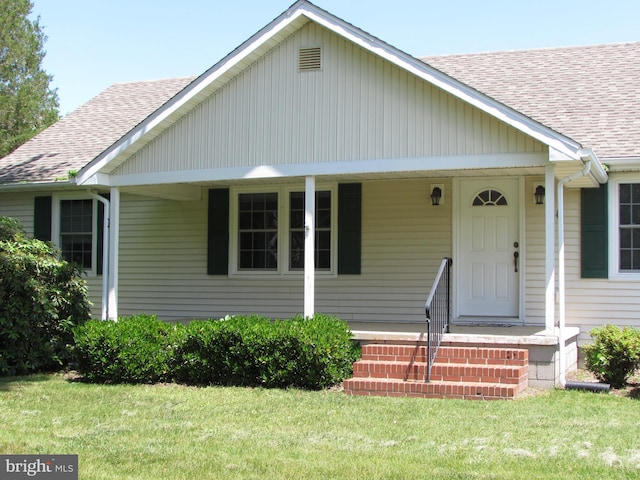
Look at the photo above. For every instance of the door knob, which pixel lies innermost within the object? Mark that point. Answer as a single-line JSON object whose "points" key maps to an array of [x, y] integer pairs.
{"points": [[516, 255]]}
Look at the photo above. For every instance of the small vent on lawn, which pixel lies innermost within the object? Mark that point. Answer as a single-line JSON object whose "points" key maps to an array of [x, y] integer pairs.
{"points": [[310, 59]]}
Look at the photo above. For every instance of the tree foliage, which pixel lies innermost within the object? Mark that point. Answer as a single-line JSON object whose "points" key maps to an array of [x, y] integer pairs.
{"points": [[42, 297], [27, 102]]}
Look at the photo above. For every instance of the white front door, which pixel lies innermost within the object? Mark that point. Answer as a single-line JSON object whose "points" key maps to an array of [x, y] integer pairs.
{"points": [[488, 263]]}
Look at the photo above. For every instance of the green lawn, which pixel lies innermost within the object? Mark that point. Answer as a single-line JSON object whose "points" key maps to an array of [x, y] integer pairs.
{"points": [[175, 432]]}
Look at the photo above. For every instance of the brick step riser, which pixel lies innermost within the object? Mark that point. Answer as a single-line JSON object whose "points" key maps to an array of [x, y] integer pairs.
{"points": [[396, 388], [458, 355], [441, 372]]}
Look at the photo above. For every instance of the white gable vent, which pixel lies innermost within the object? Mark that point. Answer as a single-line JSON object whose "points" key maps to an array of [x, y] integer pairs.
{"points": [[310, 59]]}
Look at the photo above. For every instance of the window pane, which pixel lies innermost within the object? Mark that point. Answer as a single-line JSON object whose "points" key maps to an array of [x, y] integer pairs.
{"points": [[625, 214], [625, 238], [296, 246], [635, 213], [625, 259], [624, 191]]}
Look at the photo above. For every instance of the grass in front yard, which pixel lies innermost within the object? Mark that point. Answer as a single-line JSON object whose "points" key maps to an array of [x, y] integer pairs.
{"points": [[176, 432]]}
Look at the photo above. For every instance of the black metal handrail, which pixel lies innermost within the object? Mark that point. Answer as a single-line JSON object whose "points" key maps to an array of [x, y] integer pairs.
{"points": [[438, 311]]}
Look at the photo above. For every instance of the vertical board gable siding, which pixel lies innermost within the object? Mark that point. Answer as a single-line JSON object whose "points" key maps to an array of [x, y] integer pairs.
{"points": [[358, 107]]}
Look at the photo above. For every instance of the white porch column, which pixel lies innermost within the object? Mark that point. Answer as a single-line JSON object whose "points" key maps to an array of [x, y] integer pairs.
{"points": [[114, 246], [550, 247], [309, 246]]}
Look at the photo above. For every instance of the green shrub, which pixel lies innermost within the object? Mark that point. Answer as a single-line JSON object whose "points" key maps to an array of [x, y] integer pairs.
{"points": [[242, 350], [256, 351], [614, 355], [137, 349], [41, 298]]}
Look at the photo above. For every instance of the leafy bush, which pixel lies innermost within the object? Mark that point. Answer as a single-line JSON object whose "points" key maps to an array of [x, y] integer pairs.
{"points": [[137, 349], [614, 354], [41, 298], [256, 351], [241, 350]]}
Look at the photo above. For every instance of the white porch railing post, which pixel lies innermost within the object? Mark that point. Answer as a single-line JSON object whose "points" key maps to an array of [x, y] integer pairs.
{"points": [[309, 246], [550, 248]]}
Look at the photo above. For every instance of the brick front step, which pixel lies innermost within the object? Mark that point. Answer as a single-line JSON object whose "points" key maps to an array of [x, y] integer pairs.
{"points": [[399, 388], [458, 372], [473, 355], [449, 372]]}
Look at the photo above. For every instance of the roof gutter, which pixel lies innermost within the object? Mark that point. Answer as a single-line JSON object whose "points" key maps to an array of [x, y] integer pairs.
{"points": [[597, 170], [589, 160], [9, 187]]}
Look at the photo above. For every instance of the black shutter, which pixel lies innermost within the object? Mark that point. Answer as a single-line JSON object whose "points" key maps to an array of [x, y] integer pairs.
{"points": [[594, 232], [349, 228], [42, 218], [218, 232], [100, 235]]}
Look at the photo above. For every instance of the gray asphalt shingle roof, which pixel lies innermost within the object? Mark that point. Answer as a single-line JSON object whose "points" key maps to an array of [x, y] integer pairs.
{"points": [[86, 132], [590, 94]]}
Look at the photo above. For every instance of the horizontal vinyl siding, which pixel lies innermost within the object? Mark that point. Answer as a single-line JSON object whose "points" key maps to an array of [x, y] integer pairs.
{"points": [[19, 206], [534, 244], [358, 107], [163, 261], [592, 303]]}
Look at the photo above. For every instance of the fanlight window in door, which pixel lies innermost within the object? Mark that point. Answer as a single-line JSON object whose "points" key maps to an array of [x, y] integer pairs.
{"points": [[489, 197]]}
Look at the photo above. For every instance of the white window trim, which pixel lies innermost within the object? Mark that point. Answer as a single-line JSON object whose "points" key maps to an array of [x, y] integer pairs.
{"points": [[614, 226], [55, 225], [283, 231]]}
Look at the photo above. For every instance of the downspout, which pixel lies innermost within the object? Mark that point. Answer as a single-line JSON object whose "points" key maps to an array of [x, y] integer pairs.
{"points": [[105, 253], [587, 155]]}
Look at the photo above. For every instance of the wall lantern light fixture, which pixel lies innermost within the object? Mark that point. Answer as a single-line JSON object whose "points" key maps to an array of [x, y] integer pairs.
{"points": [[436, 195], [539, 195]]}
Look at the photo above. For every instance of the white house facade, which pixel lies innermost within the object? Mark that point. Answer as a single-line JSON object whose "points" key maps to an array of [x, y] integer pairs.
{"points": [[297, 174]]}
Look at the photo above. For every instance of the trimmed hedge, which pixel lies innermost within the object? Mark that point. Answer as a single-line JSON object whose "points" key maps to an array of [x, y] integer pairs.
{"points": [[241, 350], [137, 349]]}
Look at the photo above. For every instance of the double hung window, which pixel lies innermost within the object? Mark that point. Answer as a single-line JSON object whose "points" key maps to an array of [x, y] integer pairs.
{"points": [[629, 227], [270, 231]]}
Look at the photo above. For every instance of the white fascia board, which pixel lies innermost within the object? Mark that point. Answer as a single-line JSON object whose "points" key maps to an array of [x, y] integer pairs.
{"points": [[623, 164], [394, 165]]}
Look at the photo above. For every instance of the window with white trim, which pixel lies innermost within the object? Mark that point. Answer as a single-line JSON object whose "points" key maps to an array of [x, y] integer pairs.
{"points": [[258, 231], [629, 227], [268, 231], [74, 231]]}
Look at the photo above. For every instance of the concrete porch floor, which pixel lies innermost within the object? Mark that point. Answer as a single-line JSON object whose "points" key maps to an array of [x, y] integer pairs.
{"points": [[388, 332]]}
